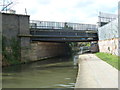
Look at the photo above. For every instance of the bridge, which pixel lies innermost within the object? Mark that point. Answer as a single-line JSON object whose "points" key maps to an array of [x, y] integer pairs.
{"points": [[37, 40], [62, 31]]}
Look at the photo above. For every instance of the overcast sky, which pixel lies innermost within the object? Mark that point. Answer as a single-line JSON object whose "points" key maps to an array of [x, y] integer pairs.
{"points": [[78, 11]]}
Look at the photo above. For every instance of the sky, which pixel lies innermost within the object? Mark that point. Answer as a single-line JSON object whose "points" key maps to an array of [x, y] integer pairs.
{"points": [[76, 11]]}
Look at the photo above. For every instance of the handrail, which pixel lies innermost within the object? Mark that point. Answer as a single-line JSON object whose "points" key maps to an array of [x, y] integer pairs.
{"points": [[61, 25]]}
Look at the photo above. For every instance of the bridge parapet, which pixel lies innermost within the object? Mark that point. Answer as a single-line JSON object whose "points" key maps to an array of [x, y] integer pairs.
{"points": [[61, 25]]}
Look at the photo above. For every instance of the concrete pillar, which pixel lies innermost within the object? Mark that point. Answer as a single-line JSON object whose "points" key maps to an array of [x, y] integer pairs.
{"points": [[14, 25], [24, 25], [25, 41]]}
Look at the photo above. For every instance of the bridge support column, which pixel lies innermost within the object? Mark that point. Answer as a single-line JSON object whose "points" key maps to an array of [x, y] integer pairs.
{"points": [[24, 41], [15, 48]]}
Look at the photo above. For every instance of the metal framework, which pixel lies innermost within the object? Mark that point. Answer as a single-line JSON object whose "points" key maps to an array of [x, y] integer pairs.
{"points": [[105, 18], [61, 25]]}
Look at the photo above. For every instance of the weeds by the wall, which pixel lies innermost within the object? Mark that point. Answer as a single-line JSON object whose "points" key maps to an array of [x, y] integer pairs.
{"points": [[11, 51]]}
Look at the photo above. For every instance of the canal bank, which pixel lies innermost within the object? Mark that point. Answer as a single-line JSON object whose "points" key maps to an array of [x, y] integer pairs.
{"points": [[95, 73]]}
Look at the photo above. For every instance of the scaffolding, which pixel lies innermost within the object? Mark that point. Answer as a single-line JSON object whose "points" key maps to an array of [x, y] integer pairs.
{"points": [[105, 18]]}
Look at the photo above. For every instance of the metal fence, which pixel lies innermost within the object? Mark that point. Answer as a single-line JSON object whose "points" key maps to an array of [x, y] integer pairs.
{"points": [[61, 25], [109, 31]]}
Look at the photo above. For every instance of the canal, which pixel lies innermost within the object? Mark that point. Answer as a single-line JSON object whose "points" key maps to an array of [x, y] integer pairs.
{"points": [[52, 73]]}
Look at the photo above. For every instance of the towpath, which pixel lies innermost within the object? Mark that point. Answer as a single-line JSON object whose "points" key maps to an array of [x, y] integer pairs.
{"points": [[95, 73]]}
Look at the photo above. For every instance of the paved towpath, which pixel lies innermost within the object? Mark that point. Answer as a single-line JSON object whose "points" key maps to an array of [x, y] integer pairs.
{"points": [[95, 73]]}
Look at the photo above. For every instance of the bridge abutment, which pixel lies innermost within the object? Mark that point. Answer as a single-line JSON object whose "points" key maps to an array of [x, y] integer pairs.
{"points": [[24, 41], [15, 47]]}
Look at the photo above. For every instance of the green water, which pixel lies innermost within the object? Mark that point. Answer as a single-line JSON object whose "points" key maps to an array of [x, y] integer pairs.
{"points": [[51, 73]]}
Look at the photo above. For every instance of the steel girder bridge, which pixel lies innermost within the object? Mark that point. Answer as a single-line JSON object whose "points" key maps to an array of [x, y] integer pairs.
{"points": [[62, 31]]}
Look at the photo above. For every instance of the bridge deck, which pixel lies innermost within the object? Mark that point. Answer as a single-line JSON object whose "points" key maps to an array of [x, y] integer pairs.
{"points": [[63, 35], [62, 32]]}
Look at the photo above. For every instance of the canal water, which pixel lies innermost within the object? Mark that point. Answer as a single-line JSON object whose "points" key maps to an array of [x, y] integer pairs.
{"points": [[52, 73]]}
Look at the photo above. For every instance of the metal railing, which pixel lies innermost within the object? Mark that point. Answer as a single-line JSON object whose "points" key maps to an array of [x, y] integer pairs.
{"points": [[61, 25]]}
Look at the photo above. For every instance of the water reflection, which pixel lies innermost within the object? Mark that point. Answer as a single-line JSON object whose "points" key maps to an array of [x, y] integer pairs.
{"points": [[51, 73]]}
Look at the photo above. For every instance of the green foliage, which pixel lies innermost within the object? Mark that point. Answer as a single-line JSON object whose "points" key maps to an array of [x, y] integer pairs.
{"points": [[73, 47], [83, 44], [87, 44], [111, 59], [73, 44], [11, 51]]}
